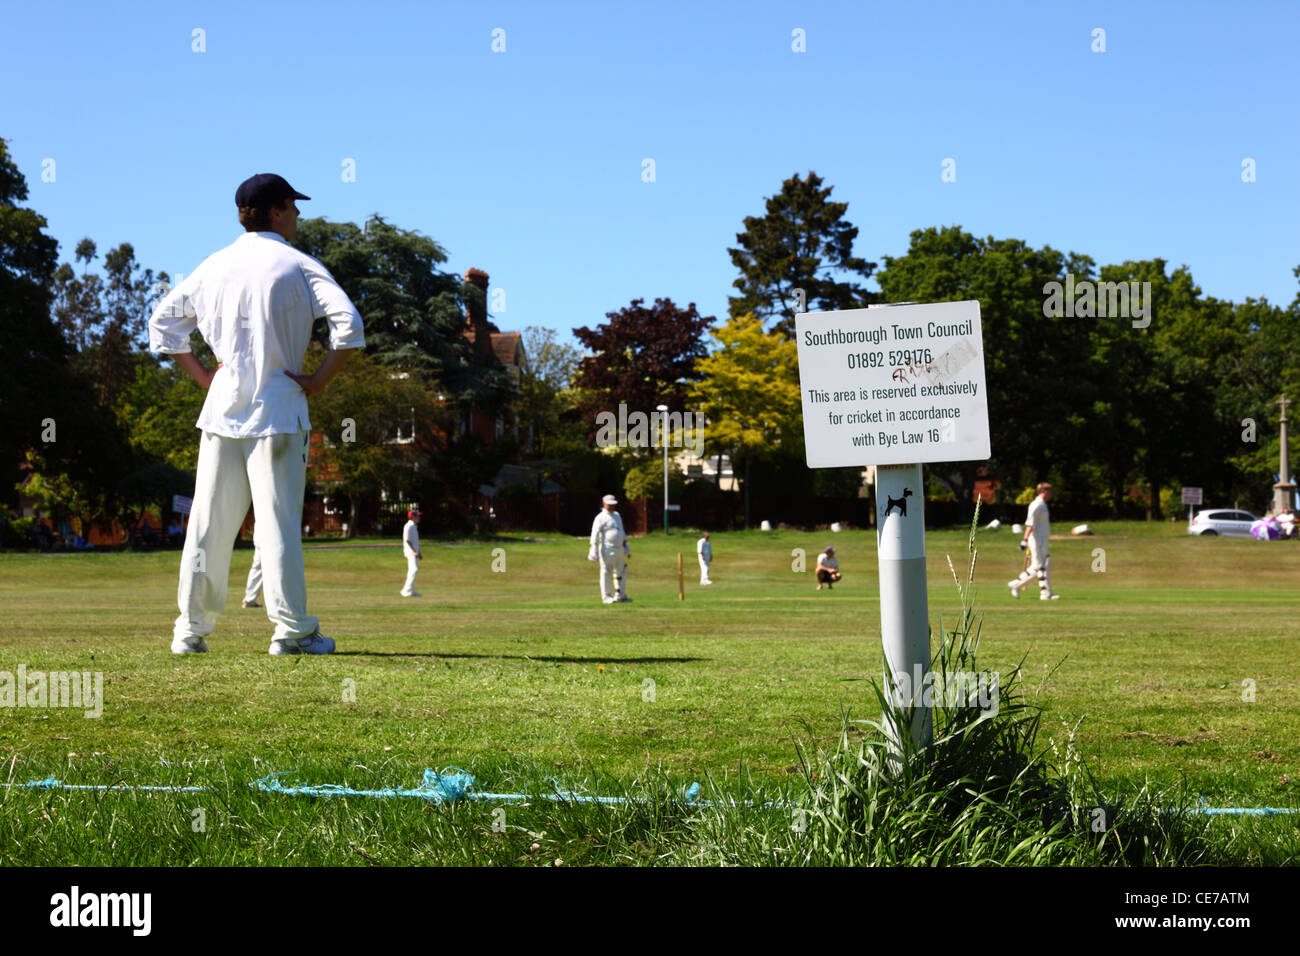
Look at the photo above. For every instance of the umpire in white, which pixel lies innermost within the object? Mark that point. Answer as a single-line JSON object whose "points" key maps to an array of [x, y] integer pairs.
{"points": [[609, 547], [254, 303]]}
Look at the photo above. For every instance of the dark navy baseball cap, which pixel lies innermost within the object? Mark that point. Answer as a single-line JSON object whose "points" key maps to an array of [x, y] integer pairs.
{"points": [[265, 190]]}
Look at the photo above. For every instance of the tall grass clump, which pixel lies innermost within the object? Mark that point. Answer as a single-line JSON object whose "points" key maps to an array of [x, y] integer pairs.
{"points": [[983, 792]]}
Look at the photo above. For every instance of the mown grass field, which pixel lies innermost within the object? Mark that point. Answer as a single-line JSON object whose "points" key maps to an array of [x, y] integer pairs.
{"points": [[523, 675]]}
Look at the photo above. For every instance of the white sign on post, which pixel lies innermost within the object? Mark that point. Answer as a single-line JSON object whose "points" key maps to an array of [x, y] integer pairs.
{"points": [[893, 386], [1192, 496], [181, 504]]}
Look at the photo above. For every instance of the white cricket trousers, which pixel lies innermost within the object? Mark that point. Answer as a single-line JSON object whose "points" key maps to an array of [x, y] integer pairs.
{"points": [[613, 574], [704, 569], [1040, 566], [412, 568], [254, 583], [271, 473]]}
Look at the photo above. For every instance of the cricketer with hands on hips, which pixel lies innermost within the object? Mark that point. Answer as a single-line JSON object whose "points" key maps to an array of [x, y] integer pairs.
{"points": [[254, 303]]}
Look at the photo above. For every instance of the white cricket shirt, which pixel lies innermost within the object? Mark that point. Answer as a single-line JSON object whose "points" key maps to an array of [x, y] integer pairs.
{"points": [[254, 302], [607, 530], [411, 539], [1037, 517]]}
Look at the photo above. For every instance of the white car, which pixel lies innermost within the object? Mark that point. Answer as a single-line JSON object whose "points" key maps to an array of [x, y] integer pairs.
{"points": [[1224, 521]]}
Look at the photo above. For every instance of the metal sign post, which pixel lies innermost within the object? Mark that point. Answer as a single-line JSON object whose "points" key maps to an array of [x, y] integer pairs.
{"points": [[904, 605], [896, 386], [1191, 496]]}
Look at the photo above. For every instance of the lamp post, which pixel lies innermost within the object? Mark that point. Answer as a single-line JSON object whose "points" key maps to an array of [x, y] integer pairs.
{"points": [[664, 409]]}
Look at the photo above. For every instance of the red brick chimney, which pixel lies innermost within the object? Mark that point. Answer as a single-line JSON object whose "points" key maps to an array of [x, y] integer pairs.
{"points": [[477, 325]]}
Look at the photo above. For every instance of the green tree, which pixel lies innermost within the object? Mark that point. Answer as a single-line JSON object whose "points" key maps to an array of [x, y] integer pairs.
{"points": [[35, 387], [1164, 377], [642, 355], [1039, 403], [645, 479], [158, 411], [413, 312], [1260, 365], [105, 318], [748, 392], [801, 242], [378, 428], [544, 391]]}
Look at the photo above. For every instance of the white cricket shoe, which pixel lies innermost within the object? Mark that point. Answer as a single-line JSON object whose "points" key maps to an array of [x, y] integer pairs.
{"points": [[189, 645], [1049, 597], [1015, 589], [705, 583], [314, 643], [411, 594]]}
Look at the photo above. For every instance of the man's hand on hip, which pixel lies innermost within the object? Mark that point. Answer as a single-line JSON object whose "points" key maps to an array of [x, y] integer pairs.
{"points": [[194, 368], [308, 383], [315, 383]]}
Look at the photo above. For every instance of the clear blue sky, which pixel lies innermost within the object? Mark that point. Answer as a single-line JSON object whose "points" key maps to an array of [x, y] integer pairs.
{"points": [[528, 163]]}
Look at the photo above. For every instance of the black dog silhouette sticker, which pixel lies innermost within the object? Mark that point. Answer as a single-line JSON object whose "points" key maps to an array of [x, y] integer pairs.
{"points": [[901, 504]]}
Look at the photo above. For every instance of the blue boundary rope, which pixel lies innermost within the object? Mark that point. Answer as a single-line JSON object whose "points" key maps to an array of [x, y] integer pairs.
{"points": [[454, 783], [451, 784]]}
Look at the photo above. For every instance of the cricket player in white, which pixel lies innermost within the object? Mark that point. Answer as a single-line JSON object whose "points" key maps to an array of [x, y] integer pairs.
{"points": [[609, 547], [254, 303], [411, 548], [704, 551], [1037, 531]]}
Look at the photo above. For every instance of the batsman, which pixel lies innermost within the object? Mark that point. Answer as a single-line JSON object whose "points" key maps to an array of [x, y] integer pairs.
{"points": [[1037, 532]]}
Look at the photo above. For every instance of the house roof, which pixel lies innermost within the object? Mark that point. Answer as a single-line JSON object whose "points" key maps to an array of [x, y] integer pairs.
{"points": [[509, 347]]}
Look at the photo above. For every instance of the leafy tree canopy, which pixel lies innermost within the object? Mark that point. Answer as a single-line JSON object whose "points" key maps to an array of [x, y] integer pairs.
{"points": [[801, 242]]}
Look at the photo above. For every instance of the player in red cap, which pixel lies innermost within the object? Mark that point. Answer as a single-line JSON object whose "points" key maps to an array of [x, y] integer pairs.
{"points": [[411, 548]]}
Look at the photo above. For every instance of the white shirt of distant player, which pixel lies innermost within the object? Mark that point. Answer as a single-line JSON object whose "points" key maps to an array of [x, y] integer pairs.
{"points": [[1037, 517], [254, 302], [607, 531], [411, 539], [826, 561], [704, 549]]}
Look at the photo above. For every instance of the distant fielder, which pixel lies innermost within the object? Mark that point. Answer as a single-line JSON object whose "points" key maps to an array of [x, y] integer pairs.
{"points": [[411, 548], [704, 551], [254, 303], [609, 547], [1037, 530]]}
